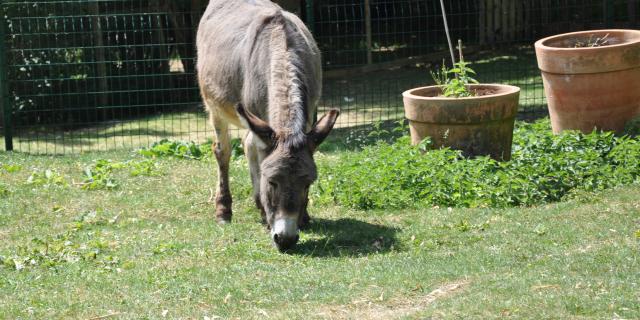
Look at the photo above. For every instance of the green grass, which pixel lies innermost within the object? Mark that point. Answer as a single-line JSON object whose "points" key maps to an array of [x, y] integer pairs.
{"points": [[149, 247]]}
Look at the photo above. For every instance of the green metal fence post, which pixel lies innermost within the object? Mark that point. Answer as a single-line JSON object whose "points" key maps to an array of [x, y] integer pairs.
{"points": [[608, 13], [5, 105], [311, 21]]}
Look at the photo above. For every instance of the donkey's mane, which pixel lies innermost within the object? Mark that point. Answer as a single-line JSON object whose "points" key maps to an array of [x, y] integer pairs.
{"points": [[288, 90]]}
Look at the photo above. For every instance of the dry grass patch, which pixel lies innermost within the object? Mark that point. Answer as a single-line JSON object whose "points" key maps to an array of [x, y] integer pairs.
{"points": [[395, 308]]}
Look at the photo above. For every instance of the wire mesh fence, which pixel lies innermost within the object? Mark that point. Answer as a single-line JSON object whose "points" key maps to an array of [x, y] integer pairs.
{"points": [[106, 74]]}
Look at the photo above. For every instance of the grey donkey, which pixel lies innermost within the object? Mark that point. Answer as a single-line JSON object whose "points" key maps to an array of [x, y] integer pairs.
{"points": [[259, 68]]}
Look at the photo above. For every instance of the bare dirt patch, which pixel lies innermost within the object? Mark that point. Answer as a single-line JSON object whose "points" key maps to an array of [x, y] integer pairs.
{"points": [[395, 308]]}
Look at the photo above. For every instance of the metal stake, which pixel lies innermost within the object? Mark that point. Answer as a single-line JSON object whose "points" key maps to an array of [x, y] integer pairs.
{"points": [[446, 29]]}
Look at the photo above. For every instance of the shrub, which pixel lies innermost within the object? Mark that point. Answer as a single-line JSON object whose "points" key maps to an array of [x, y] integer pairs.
{"points": [[544, 168]]}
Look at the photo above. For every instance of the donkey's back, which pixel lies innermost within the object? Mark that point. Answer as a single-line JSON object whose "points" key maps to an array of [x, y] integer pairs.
{"points": [[235, 52]]}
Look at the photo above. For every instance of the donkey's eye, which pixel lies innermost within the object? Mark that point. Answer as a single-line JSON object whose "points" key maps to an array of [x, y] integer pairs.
{"points": [[273, 184]]}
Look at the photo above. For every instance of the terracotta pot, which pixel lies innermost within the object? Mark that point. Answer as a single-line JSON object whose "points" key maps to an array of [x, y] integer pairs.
{"points": [[589, 88], [479, 125]]}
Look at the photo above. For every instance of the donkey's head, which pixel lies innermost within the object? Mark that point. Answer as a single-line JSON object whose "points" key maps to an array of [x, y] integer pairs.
{"points": [[286, 173]]}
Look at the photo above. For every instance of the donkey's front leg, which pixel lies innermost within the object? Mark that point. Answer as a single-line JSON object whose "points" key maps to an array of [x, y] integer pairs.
{"points": [[304, 218], [255, 157], [222, 150]]}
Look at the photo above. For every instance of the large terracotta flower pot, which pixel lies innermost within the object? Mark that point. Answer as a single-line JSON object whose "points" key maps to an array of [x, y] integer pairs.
{"points": [[591, 87], [479, 125]]}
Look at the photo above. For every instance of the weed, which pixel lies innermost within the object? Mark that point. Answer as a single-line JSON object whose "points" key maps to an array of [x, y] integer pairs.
{"points": [[544, 168], [237, 150], [378, 131], [178, 149], [11, 168], [456, 87], [99, 175], [146, 167], [67, 247], [46, 178], [167, 248]]}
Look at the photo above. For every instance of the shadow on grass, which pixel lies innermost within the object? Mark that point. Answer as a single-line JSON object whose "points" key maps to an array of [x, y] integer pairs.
{"points": [[91, 138], [347, 237]]}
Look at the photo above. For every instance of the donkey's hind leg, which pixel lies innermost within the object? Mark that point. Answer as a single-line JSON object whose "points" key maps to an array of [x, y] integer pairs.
{"points": [[222, 150]]}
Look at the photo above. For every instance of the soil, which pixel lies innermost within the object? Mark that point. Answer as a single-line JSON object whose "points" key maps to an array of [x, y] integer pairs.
{"points": [[591, 41], [478, 92], [485, 92]]}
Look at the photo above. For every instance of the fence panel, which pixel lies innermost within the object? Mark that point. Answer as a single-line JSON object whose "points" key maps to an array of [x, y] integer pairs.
{"points": [[80, 72], [106, 74]]}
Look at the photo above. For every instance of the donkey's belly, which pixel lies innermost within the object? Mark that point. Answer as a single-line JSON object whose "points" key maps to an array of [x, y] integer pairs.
{"points": [[224, 111]]}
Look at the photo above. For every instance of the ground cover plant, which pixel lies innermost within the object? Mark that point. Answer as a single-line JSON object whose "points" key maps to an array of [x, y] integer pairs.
{"points": [[149, 247], [544, 168]]}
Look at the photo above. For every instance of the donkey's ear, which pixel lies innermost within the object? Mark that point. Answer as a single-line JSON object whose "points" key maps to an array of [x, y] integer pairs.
{"points": [[322, 128], [259, 127]]}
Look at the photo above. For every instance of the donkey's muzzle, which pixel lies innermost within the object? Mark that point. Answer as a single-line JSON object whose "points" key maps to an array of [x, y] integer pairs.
{"points": [[285, 242], [284, 233]]}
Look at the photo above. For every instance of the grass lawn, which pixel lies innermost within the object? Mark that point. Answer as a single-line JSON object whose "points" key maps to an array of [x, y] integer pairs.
{"points": [[150, 249]]}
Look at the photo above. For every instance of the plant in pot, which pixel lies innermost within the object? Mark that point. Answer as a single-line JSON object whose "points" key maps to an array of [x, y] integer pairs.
{"points": [[591, 79], [460, 113]]}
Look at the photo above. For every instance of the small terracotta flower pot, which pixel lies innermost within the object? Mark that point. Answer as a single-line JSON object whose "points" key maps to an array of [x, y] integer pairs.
{"points": [[591, 87], [479, 125]]}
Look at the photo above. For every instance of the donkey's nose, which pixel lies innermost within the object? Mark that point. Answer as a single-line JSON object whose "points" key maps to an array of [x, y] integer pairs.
{"points": [[284, 242], [285, 233]]}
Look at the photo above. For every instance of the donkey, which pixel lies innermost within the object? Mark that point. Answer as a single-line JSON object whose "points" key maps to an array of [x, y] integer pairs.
{"points": [[259, 68]]}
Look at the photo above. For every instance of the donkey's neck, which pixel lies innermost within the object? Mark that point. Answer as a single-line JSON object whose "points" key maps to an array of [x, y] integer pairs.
{"points": [[287, 91]]}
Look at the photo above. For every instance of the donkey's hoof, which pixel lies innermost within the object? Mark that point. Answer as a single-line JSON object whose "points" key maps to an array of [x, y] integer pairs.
{"points": [[224, 218], [223, 221]]}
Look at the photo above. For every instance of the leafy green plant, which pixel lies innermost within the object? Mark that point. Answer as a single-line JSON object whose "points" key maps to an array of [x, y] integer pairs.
{"points": [[457, 86], [99, 175], [46, 178], [11, 168], [237, 151], [455, 81], [189, 150], [145, 167], [544, 168], [178, 149], [378, 131]]}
